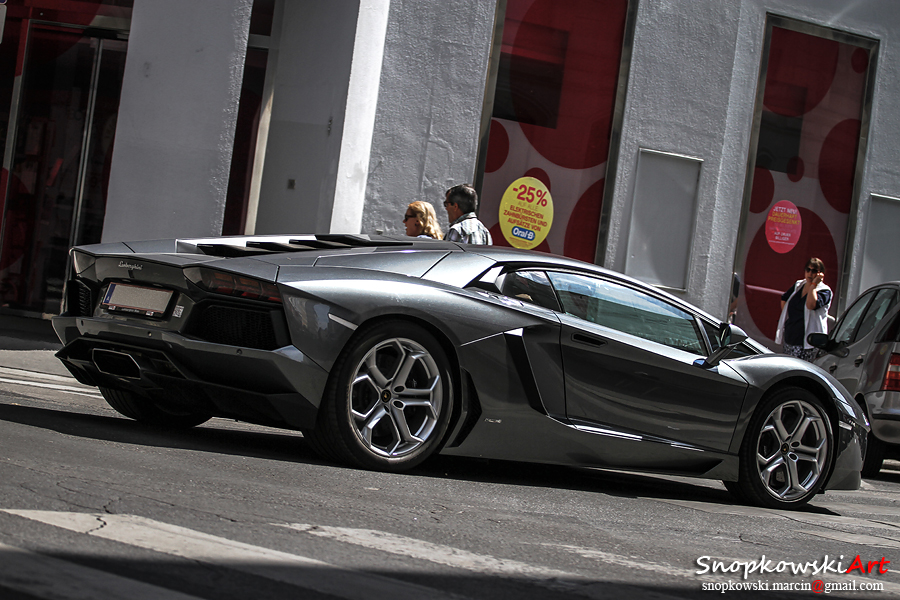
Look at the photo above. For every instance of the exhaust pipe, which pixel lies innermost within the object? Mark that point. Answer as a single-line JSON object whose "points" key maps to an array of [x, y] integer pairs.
{"points": [[117, 364]]}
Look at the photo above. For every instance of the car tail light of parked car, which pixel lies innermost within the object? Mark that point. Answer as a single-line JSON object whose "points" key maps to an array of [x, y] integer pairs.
{"points": [[892, 375]]}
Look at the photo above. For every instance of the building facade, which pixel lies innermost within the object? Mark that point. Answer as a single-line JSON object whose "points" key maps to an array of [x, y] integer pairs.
{"points": [[709, 147]]}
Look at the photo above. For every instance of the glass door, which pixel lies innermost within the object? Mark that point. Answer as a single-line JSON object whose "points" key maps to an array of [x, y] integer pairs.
{"points": [[808, 144], [58, 178]]}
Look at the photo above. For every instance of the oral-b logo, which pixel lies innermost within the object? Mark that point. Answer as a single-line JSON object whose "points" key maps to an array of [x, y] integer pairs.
{"points": [[130, 266], [525, 234]]}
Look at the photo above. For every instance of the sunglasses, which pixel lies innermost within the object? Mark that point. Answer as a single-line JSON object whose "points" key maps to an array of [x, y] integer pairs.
{"points": [[811, 270], [407, 217]]}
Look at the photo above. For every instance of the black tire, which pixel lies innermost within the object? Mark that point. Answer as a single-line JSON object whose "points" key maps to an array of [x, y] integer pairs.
{"points": [[875, 450], [146, 411], [388, 402], [734, 489], [787, 450]]}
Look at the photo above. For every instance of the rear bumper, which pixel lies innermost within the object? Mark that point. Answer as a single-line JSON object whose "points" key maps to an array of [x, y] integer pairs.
{"points": [[282, 387]]}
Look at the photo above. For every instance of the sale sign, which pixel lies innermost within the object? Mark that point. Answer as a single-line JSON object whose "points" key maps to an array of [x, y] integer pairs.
{"points": [[526, 213], [783, 227]]}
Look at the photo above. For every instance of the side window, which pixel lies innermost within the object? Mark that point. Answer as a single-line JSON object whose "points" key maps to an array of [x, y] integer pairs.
{"points": [[530, 286], [851, 319], [627, 310], [883, 302]]}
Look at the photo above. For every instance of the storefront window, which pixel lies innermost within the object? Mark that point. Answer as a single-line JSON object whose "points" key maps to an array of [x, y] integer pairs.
{"points": [[60, 81], [552, 118], [801, 192]]}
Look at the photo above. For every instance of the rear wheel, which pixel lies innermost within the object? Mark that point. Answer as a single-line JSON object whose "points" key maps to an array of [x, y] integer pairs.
{"points": [[148, 412], [389, 400], [786, 452]]}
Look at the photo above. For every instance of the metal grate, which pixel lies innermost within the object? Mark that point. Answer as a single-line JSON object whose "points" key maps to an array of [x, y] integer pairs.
{"points": [[80, 299], [234, 327]]}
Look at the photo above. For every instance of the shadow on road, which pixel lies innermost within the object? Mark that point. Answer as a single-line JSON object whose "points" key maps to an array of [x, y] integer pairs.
{"points": [[215, 437], [278, 445]]}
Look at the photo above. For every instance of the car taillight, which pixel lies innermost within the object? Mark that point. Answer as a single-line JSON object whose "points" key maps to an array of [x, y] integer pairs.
{"points": [[892, 375], [220, 282]]}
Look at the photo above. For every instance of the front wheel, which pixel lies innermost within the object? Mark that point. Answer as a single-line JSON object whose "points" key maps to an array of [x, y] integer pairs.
{"points": [[786, 452], [389, 400]]}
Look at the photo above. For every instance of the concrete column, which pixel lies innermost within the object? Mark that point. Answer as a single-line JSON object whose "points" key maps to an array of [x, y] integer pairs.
{"points": [[429, 108], [323, 106], [177, 116]]}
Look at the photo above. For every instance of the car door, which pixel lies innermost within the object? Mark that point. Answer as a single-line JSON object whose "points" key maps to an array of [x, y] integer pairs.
{"points": [[847, 370], [843, 333], [629, 359]]}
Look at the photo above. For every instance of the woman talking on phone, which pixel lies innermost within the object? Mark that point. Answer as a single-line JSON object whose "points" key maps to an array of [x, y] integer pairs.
{"points": [[804, 310]]}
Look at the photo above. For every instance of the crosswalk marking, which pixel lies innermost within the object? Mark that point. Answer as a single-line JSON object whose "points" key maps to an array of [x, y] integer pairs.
{"points": [[556, 580], [194, 545], [436, 553], [53, 579]]}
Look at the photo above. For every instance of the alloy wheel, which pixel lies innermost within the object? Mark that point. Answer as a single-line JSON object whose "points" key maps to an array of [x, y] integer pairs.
{"points": [[396, 397], [792, 450]]}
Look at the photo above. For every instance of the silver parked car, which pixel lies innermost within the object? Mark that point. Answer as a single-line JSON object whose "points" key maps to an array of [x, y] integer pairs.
{"points": [[863, 353]]}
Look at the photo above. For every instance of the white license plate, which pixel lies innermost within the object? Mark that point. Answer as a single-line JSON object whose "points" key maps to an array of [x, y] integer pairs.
{"points": [[150, 302]]}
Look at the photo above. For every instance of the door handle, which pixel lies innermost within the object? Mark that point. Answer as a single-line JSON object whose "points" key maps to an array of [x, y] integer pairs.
{"points": [[586, 339], [859, 360]]}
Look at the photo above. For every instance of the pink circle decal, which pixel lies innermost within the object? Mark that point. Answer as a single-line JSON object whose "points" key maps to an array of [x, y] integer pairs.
{"points": [[539, 174], [860, 60], [498, 147], [795, 167], [584, 224], [783, 227], [800, 72], [837, 164], [763, 190]]}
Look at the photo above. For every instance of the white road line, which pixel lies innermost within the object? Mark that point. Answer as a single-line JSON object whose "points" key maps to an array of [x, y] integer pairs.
{"points": [[54, 579], [560, 581], [272, 564], [52, 386], [12, 372]]}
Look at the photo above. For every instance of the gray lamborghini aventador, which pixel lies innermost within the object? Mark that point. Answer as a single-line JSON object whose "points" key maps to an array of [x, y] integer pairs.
{"points": [[384, 351]]}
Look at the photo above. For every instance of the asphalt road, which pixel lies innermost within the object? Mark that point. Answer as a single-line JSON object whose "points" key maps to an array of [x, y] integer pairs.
{"points": [[93, 505]]}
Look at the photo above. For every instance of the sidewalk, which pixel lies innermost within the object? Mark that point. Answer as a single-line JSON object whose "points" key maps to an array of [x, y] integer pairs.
{"points": [[29, 344]]}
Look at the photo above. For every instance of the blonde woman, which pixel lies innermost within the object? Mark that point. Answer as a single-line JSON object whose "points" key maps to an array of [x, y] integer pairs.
{"points": [[421, 221]]}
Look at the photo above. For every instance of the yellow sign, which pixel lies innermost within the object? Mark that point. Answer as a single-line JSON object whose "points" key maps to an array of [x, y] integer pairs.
{"points": [[526, 213]]}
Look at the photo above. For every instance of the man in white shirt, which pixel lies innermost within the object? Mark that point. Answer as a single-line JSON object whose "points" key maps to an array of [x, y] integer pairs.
{"points": [[461, 201]]}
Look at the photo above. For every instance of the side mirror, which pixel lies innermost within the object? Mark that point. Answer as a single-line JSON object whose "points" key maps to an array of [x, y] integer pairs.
{"points": [[729, 337], [822, 341], [819, 340]]}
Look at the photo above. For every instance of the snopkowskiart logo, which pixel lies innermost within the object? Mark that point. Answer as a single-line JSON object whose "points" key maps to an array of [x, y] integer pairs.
{"points": [[839, 576]]}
